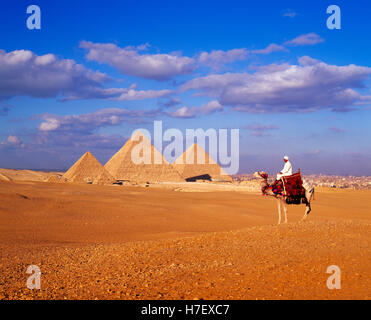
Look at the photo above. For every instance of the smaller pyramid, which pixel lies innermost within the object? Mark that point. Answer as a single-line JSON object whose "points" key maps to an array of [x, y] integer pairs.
{"points": [[121, 166], [88, 170], [187, 165], [103, 178], [55, 179]]}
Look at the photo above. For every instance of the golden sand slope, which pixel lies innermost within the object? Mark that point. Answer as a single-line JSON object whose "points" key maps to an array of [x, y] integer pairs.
{"points": [[26, 175], [110, 242], [3, 177]]}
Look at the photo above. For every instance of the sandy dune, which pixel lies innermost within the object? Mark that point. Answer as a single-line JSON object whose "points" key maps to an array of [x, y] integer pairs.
{"points": [[26, 175], [120, 242]]}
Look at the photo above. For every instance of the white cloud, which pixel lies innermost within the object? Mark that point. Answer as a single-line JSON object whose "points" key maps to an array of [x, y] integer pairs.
{"points": [[133, 94], [90, 122], [271, 48], [13, 139], [211, 107], [50, 124], [217, 58], [305, 39], [183, 112], [129, 61], [12, 142], [191, 112], [307, 61], [312, 86], [23, 73]]}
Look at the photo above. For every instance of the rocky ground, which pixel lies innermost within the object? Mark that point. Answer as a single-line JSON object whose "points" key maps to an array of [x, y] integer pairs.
{"points": [[270, 262], [221, 245]]}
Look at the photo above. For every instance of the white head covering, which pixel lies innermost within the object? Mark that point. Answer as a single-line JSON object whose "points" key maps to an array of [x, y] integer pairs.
{"points": [[286, 157]]}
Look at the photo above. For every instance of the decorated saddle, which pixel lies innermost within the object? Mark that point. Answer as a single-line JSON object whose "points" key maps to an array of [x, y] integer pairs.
{"points": [[293, 189]]}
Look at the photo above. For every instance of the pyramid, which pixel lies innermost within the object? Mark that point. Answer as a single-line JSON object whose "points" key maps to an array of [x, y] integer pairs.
{"points": [[121, 166], [88, 170], [55, 179], [188, 168]]}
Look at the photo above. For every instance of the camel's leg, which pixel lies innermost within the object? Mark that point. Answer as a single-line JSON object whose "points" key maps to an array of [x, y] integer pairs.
{"points": [[308, 208], [279, 210], [285, 210]]}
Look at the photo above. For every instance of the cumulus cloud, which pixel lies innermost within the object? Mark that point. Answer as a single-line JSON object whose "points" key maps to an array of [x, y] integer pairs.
{"points": [[183, 112], [133, 94], [82, 132], [286, 88], [49, 124], [90, 122], [217, 58], [211, 107], [130, 61], [23, 73], [269, 49], [12, 142], [307, 61], [191, 112], [305, 39]]}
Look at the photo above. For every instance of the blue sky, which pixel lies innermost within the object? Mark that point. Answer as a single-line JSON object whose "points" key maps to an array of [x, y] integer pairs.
{"points": [[97, 70]]}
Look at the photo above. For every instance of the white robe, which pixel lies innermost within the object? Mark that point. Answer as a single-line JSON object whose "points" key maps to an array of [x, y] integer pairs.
{"points": [[286, 171]]}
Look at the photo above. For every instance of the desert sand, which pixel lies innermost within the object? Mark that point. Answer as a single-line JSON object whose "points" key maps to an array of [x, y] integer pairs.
{"points": [[157, 242]]}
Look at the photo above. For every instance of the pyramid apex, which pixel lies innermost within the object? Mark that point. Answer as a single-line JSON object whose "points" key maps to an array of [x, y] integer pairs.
{"points": [[87, 168], [138, 133], [88, 153]]}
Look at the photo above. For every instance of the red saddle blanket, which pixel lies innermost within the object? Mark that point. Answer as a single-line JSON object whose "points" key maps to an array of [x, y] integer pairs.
{"points": [[293, 185]]}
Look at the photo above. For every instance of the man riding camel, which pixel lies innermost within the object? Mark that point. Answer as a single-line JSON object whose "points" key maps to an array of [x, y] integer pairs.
{"points": [[287, 169]]}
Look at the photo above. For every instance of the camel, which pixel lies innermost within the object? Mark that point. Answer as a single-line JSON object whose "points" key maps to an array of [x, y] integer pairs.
{"points": [[281, 200]]}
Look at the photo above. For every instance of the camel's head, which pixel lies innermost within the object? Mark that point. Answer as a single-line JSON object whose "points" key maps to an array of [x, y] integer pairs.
{"points": [[264, 180], [261, 174]]}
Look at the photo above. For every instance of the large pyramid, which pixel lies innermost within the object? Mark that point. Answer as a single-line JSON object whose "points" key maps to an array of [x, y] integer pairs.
{"points": [[88, 170], [187, 165], [121, 166]]}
